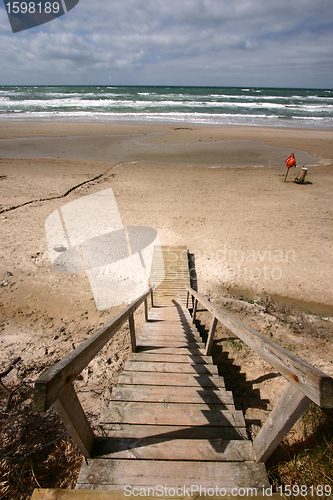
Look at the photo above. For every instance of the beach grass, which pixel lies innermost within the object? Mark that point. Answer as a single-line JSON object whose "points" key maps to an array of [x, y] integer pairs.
{"points": [[35, 450]]}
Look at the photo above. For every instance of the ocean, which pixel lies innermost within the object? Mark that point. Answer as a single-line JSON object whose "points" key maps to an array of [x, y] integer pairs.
{"points": [[271, 107]]}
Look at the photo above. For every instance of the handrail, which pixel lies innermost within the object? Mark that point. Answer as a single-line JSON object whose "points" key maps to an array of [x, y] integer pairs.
{"points": [[314, 383], [306, 383], [54, 385]]}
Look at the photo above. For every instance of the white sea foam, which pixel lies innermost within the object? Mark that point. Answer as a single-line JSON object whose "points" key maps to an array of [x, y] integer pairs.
{"points": [[226, 106]]}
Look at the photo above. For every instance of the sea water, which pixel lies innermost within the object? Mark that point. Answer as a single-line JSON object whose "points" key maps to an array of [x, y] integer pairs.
{"points": [[272, 107]]}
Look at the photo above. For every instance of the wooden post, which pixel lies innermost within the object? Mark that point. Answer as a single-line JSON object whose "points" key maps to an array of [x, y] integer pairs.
{"points": [[284, 415], [187, 299], [194, 310], [146, 309], [132, 331], [71, 413], [301, 178], [211, 336], [152, 298], [286, 174]]}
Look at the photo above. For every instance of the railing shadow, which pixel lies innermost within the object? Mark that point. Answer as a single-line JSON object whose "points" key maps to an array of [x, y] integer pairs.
{"points": [[245, 395], [192, 272]]}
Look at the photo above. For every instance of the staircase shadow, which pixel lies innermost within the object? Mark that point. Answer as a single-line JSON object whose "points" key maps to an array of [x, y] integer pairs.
{"points": [[245, 395], [192, 271]]}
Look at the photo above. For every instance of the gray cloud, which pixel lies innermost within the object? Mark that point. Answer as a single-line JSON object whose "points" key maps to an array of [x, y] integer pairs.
{"points": [[183, 42]]}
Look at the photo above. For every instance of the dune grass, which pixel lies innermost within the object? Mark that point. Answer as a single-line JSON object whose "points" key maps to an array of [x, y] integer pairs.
{"points": [[306, 457], [35, 450]]}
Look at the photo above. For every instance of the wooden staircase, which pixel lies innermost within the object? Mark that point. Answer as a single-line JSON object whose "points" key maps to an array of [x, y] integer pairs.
{"points": [[173, 269], [172, 430], [171, 422]]}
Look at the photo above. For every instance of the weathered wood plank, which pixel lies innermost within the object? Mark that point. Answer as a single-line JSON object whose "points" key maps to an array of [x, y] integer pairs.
{"points": [[179, 277], [170, 416], [211, 336], [174, 432], [314, 383], [171, 350], [169, 284], [152, 406], [174, 473], [72, 415], [168, 325], [178, 285], [170, 395], [164, 309], [172, 337], [161, 329], [146, 309], [146, 366], [169, 332], [166, 318], [170, 379], [182, 342], [174, 322], [154, 448], [132, 331], [169, 308], [171, 358], [89, 494], [284, 415], [194, 310], [184, 339], [176, 344]]}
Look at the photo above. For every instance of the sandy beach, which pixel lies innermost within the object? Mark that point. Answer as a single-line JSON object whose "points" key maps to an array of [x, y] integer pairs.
{"points": [[219, 191]]}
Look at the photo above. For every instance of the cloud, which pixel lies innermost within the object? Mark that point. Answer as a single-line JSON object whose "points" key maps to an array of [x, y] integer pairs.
{"points": [[187, 42]]}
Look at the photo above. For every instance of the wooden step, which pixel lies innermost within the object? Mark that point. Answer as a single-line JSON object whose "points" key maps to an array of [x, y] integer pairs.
{"points": [[171, 416], [133, 492], [154, 448], [164, 329], [159, 367], [178, 344], [159, 357], [170, 379], [171, 350], [150, 473], [170, 324], [173, 337], [170, 395], [152, 406], [170, 432], [168, 308]]}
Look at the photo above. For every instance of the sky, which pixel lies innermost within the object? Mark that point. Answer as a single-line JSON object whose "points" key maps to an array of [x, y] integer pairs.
{"points": [[263, 43]]}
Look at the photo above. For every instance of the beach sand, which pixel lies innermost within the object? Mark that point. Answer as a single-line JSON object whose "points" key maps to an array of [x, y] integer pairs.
{"points": [[219, 191]]}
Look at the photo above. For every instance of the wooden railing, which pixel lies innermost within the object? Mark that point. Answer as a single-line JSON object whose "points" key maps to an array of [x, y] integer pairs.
{"points": [[306, 383], [55, 384]]}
